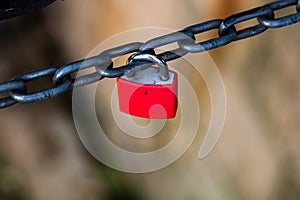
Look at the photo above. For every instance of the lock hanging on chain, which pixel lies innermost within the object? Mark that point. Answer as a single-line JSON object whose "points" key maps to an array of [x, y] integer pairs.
{"points": [[151, 92]]}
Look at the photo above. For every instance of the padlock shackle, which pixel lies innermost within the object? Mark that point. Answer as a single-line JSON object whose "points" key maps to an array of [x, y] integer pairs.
{"points": [[143, 56]]}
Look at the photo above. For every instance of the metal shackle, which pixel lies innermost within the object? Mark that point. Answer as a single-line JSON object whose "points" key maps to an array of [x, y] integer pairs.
{"points": [[164, 69]]}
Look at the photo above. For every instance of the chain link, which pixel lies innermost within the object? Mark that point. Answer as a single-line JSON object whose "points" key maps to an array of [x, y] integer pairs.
{"points": [[25, 97], [102, 64]]}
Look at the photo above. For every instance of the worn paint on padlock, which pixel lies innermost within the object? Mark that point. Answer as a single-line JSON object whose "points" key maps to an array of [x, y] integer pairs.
{"points": [[149, 98]]}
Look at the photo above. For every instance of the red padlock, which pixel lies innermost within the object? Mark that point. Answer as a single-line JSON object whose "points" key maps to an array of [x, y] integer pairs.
{"points": [[151, 92]]}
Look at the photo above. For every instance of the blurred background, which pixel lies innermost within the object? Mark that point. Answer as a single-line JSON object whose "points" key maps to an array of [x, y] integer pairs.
{"points": [[257, 156]]}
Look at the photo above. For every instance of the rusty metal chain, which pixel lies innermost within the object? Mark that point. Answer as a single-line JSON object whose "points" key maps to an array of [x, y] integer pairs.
{"points": [[102, 64]]}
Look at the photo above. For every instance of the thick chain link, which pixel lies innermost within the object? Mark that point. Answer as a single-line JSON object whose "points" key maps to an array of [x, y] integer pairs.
{"points": [[102, 64]]}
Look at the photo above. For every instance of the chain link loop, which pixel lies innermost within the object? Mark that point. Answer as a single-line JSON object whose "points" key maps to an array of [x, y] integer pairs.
{"points": [[282, 21], [209, 44], [244, 16], [102, 64], [7, 87], [24, 97]]}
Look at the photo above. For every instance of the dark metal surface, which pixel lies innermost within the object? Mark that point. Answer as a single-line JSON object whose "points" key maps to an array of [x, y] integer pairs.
{"points": [[13, 8], [103, 64]]}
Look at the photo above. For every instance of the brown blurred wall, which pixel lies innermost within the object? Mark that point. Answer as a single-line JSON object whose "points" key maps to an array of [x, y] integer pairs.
{"points": [[255, 158]]}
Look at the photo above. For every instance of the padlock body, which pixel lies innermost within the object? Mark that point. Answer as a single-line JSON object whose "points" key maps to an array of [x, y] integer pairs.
{"points": [[155, 101]]}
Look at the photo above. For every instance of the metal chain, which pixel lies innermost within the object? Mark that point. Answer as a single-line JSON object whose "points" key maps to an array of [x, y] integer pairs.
{"points": [[103, 63]]}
